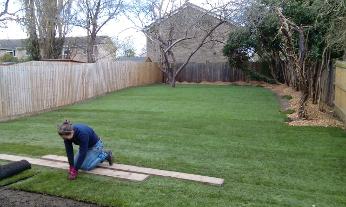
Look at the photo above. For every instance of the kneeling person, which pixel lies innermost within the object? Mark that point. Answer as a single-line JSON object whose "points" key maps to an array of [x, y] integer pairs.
{"points": [[91, 151]]}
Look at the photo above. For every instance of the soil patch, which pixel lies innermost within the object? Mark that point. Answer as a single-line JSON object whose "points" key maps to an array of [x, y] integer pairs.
{"points": [[16, 198], [205, 83], [316, 117], [284, 103]]}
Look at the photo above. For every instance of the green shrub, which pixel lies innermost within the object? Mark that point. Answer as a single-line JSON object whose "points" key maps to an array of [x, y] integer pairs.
{"points": [[8, 58]]}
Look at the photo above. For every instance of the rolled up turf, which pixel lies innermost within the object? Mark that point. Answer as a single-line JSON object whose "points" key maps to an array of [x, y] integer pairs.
{"points": [[13, 168]]}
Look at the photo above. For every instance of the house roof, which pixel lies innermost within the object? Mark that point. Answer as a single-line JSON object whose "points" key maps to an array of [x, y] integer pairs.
{"points": [[82, 41], [180, 9], [135, 59], [11, 44]]}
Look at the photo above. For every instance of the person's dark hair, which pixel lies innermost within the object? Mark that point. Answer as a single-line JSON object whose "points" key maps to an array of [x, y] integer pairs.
{"points": [[65, 128]]}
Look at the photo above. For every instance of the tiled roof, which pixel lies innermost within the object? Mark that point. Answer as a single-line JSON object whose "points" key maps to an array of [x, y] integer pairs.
{"points": [[75, 41]]}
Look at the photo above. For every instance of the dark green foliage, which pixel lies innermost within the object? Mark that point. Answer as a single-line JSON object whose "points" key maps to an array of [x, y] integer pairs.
{"points": [[129, 52], [255, 37], [8, 58], [267, 36], [240, 45], [260, 33], [33, 48], [254, 75]]}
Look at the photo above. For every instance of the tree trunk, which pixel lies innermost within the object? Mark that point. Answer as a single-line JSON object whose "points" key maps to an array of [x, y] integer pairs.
{"points": [[33, 46], [171, 77], [316, 85], [173, 82], [275, 68], [90, 48], [302, 102], [47, 17]]}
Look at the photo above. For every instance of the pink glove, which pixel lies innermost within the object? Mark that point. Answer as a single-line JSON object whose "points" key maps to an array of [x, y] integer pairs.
{"points": [[73, 172]]}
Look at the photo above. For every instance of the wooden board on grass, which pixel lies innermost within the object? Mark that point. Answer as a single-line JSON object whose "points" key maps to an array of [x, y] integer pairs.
{"points": [[63, 165], [150, 171]]}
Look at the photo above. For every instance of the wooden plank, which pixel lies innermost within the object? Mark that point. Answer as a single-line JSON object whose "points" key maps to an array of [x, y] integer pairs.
{"points": [[150, 171], [64, 165]]}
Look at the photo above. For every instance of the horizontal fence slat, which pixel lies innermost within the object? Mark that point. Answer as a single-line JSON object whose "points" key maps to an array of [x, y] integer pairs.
{"points": [[36, 86]]}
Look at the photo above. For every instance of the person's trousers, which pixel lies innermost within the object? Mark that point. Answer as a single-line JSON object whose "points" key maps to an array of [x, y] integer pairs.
{"points": [[94, 156]]}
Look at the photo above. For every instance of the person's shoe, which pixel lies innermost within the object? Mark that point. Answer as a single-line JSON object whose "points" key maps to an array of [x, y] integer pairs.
{"points": [[110, 157]]}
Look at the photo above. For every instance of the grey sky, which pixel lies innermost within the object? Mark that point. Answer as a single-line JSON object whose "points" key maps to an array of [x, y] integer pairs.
{"points": [[120, 29]]}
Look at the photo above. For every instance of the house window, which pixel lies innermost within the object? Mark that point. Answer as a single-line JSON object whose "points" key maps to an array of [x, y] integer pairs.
{"points": [[11, 52], [65, 53]]}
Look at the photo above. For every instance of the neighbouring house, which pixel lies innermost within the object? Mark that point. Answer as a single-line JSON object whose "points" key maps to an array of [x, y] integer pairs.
{"points": [[14, 47], [74, 48], [196, 21]]}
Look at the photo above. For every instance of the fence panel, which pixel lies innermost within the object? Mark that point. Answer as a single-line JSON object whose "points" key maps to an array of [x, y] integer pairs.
{"points": [[211, 72], [340, 90], [31, 87]]}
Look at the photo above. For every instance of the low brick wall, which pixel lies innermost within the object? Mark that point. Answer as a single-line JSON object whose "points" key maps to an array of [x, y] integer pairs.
{"points": [[340, 90]]}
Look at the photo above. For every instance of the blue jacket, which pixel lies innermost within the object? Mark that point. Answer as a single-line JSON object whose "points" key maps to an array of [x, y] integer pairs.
{"points": [[85, 137]]}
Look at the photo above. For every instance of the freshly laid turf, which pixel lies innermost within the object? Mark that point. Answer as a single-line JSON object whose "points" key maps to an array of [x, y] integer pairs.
{"points": [[232, 132]]}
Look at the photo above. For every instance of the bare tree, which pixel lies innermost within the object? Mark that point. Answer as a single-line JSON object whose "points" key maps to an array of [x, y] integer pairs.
{"points": [[54, 25], [7, 13], [47, 24], [4, 10], [93, 15], [169, 31], [125, 47], [106, 49], [295, 61], [33, 46]]}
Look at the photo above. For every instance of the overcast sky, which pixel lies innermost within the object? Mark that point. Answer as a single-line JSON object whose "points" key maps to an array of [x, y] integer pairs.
{"points": [[120, 28]]}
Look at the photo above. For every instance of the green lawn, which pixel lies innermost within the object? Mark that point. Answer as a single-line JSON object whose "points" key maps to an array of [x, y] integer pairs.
{"points": [[232, 132]]}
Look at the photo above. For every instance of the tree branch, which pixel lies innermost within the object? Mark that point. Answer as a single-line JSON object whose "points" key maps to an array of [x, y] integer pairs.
{"points": [[5, 11], [198, 47], [176, 42]]}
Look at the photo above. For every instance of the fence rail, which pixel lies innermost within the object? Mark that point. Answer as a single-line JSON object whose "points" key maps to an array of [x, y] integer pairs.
{"points": [[211, 72], [32, 87]]}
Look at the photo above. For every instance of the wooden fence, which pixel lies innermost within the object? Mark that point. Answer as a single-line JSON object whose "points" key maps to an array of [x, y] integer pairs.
{"points": [[32, 87], [340, 90], [211, 72]]}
